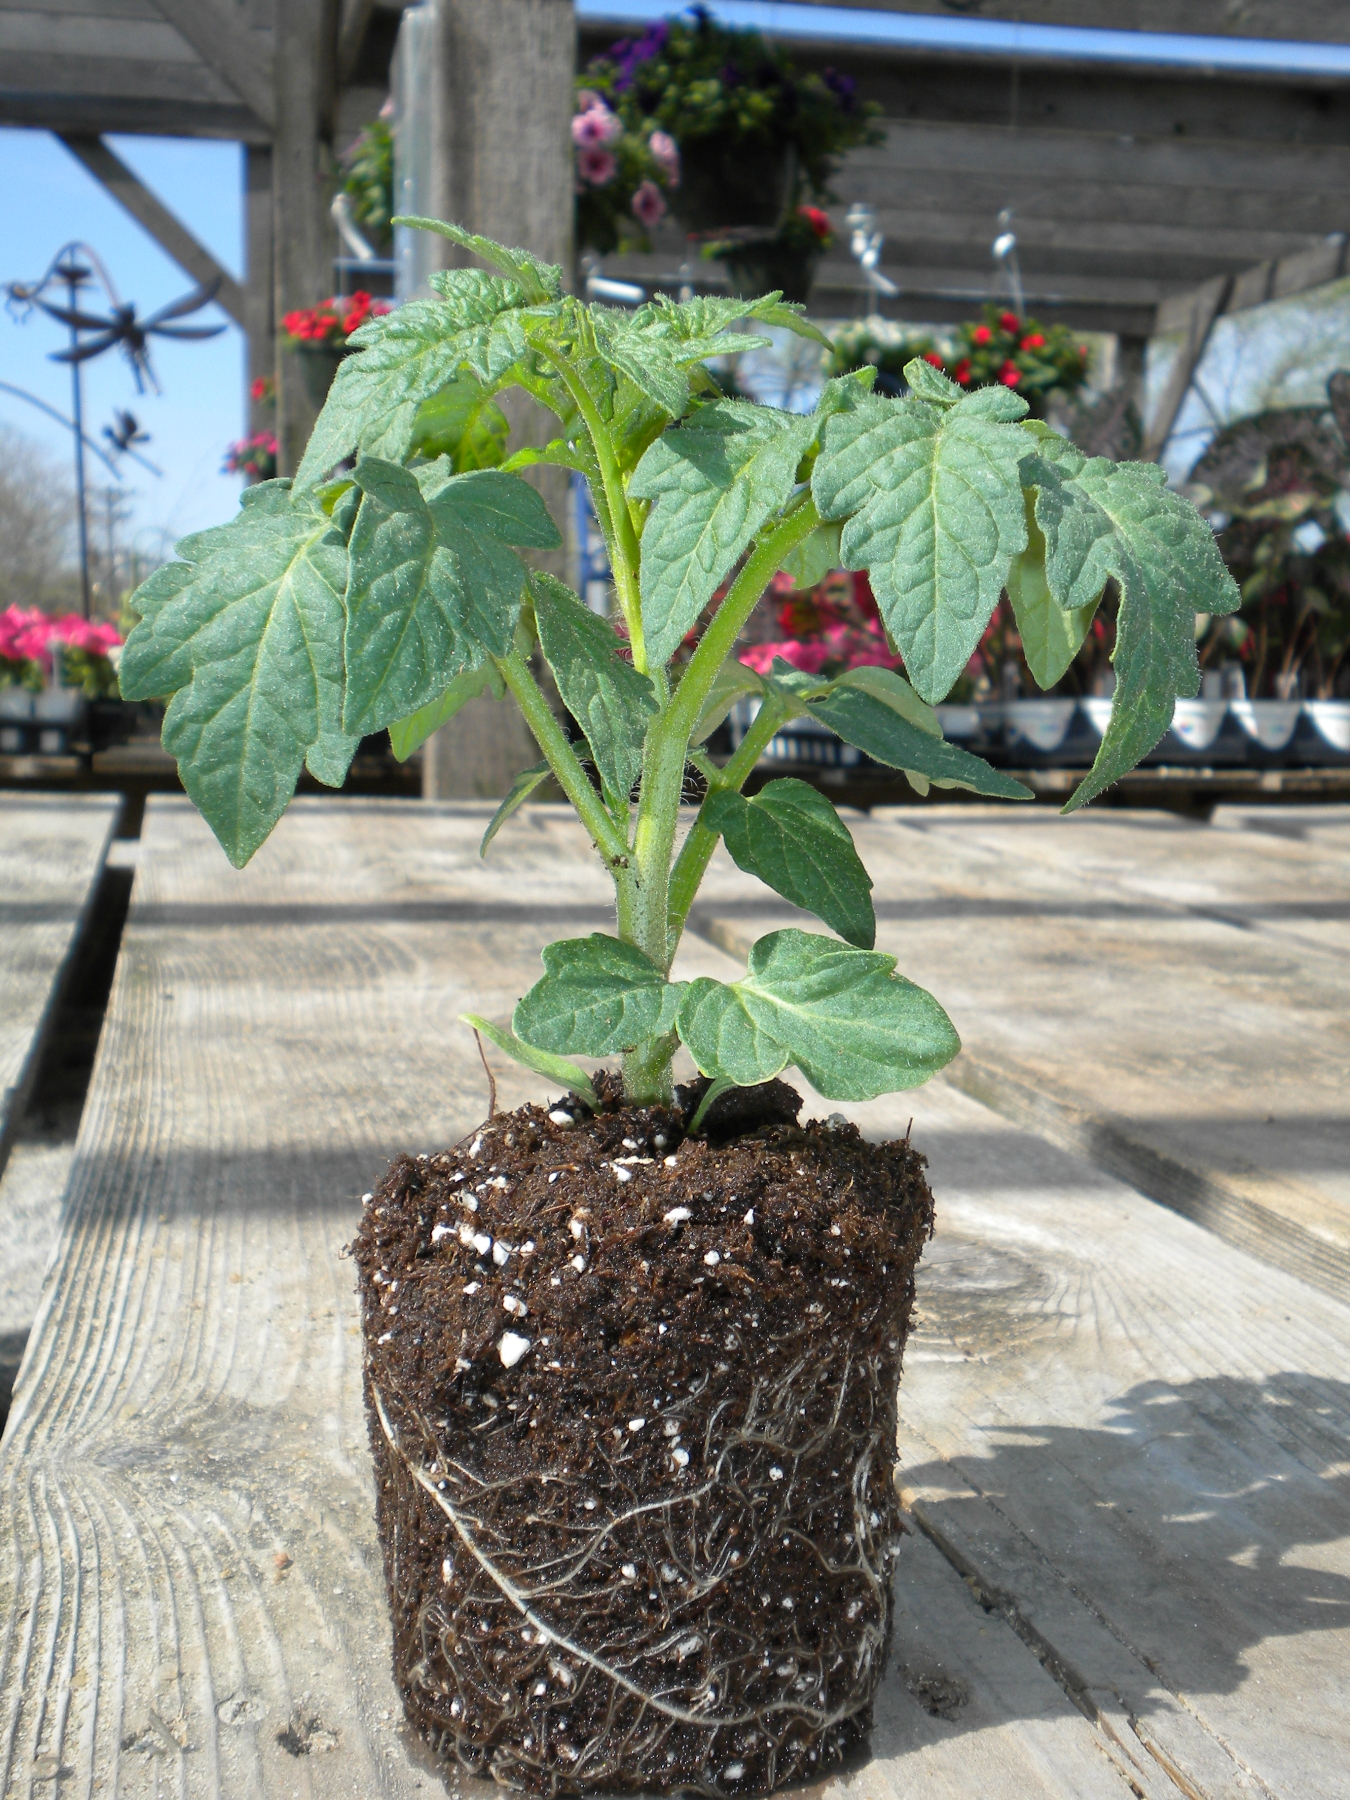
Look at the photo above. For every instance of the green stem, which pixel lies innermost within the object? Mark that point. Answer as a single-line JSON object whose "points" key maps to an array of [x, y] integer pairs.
{"points": [[697, 849], [591, 810], [624, 552], [668, 738]]}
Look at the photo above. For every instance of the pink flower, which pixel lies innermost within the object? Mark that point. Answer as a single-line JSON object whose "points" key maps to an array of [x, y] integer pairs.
{"points": [[648, 204], [596, 166], [667, 153], [810, 658], [596, 126]]}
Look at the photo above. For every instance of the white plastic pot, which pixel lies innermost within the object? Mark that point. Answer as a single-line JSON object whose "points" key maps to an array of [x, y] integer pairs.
{"points": [[959, 721], [15, 702], [1331, 719], [1198, 722], [1270, 722], [1040, 723]]}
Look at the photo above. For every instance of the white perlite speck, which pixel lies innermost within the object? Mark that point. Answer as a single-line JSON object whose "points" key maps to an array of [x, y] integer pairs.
{"points": [[629, 1571], [578, 1263], [733, 1771], [636, 1424], [677, 1215], [366, 1199], [680, 1458], [500, 1252], [670, 1162], [473, 1287], [749, 1217], [481, 1242], [712, 1259], [621, 1174], [512, 1303], [447, 1570], [475, 1146], [775, 1473], [511, 1348], [560, 1118]]}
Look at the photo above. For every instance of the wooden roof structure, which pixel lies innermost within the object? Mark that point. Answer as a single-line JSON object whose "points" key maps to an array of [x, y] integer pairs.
{"points": [[1133, 185], [1128, 182]]}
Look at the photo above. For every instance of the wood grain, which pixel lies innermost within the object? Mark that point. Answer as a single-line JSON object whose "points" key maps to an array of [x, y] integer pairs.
{"points": [[52, 849], [1166, 999], [190, 1592]]}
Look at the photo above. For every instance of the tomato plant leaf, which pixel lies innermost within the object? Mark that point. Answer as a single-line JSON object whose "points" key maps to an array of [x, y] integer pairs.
{"points": [[464, 423], [1102, 519], [407, 735], [249, 644], [401, 360], [435, 586], [598, 995], [885, 733], [556, 1068], [792, 838], [521, 788], [539, 281], [932, 499], [606, 696], [1051, 637], [715, 480], [852, 1026]]}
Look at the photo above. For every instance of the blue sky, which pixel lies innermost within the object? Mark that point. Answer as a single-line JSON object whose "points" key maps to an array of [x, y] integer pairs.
{"points": [[49, 199]]}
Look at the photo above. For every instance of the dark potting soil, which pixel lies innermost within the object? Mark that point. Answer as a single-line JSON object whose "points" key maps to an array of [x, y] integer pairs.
{"points": [[632, 1401]]}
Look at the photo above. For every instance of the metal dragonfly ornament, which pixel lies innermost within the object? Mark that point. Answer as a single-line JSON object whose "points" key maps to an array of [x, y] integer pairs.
{"points": [[74, 267]]}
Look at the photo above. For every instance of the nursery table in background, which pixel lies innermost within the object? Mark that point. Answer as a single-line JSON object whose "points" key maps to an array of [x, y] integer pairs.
{"points": [[1121, 1435], [52, 851]]}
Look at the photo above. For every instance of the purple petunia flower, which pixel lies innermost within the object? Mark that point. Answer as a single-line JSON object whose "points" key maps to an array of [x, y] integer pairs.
{"points": [[597, 125], [667, 153], [648, 205], [596, 165]]}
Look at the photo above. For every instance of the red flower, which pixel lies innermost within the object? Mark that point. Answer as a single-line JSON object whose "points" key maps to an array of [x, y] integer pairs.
{"points": [[1010, 322], [961, 372], [931, 356], [1010, 374], [981, 334], [818, 221], [1033, 340]]}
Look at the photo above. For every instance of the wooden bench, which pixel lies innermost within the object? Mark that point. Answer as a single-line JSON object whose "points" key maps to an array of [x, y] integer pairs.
{"points": [[1167, 999], [52, 852], [1121, 1435]]}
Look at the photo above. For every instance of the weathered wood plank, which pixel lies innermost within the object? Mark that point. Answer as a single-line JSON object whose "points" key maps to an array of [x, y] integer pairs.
{"points": [[189, 1580], [1136, 1442], [1308, 21], [52, 849], [113, 40], [164, 227], [1155, 995]]}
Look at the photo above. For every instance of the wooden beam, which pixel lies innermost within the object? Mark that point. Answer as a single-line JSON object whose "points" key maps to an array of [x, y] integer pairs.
{"points": [[260, 283], [352, 24], [1328, 261], [504, 101], [1303, 21], [169, 232], [239, 56], [1206, 304], [305, 55]]}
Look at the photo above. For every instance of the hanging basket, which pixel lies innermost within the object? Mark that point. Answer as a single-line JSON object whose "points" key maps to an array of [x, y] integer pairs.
{"points": [[756, 269], [730, 183], [319, 365]]}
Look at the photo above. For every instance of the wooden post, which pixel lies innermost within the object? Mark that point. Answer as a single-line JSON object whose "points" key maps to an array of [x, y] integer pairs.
{"points": [[260, 281], [304, 62], [504, 167]]}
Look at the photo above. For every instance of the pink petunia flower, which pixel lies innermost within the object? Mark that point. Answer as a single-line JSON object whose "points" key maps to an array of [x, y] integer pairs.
{"points": [[597, 126], [667, 153], [596, 166], [648, 204]]}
